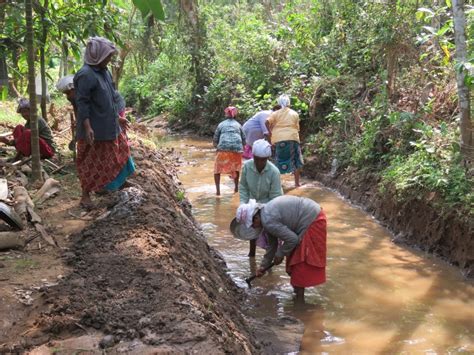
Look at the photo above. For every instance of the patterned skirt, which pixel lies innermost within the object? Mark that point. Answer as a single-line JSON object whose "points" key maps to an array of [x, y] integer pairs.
{"points": [[288, 156], [100, 163], [227, 162]]}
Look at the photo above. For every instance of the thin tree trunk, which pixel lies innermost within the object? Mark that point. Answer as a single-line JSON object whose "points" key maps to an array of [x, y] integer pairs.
{"points": [[64, 57], [35, 153], [44, 36], [117, 71], [3, 52], [197, 44], [466, 125]]}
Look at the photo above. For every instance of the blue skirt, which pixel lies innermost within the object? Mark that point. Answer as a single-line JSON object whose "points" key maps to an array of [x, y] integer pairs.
{"points": [[127, 170], [288, 156]]}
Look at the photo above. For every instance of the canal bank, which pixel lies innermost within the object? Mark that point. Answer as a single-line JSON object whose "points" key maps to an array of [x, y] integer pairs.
{"points": [[140, 278]]}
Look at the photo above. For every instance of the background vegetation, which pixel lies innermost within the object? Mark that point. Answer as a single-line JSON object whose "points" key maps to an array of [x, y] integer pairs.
{"points": [[374, 81]]}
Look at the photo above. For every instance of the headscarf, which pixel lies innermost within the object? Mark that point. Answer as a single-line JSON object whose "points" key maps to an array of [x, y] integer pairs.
{"points": [[262, 149], [231, 111], [246, 211], [66, 83], [97, 50], [284, 100], [23, 104]]}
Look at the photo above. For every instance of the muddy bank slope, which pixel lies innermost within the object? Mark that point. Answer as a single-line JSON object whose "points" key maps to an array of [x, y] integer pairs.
{"points": [[143, 272], [416, 223]]}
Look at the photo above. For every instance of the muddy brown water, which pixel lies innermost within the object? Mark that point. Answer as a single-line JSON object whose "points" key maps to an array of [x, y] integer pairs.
{"points": [[379, 297]]}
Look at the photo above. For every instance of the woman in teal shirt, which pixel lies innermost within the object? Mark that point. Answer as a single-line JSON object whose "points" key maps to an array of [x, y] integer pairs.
{"points": [[260, 179]]}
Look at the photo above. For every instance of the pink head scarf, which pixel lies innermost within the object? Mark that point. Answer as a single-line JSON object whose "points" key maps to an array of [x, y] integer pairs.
{"points": [[97, 50], [231, 111]]}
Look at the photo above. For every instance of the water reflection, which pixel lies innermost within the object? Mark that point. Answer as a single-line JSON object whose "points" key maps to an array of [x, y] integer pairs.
{"points": [[379, 297]]}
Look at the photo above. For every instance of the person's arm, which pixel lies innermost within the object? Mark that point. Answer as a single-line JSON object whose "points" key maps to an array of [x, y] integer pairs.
{"points": [[84, 84], [217, 135], [270, 253], [275, 186], [243, 186], [89, 131], [268, 136], [7, 141], [242, 135], [285, 234], [263, 126]]}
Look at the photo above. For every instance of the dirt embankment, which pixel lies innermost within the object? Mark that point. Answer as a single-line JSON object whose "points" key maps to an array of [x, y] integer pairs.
{"points": [[416, 223], [143, 275]]}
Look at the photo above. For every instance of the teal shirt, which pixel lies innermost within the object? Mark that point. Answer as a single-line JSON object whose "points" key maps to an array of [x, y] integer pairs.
{"points": [[229, 136], [263, 186]]}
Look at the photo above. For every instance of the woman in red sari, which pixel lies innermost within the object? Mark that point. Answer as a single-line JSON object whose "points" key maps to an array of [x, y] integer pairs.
{"points": [[296, 228], [22, 135]]}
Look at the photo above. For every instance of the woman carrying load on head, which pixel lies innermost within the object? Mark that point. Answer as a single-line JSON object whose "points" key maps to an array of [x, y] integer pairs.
{"points": [[260, 181], [284, 127], [103, 155], [296, 228], [229, 139]]}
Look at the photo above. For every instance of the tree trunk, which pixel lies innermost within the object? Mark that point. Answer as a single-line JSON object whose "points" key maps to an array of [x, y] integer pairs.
{"points": [[44, 37], [118, 70], [466, 125], [3, 52], [197, 44], [35, 153], [64, 65]]}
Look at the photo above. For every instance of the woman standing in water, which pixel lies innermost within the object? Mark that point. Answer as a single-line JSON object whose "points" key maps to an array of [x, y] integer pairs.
{"points": [[229, 139], [296, 228], [284, 128]]}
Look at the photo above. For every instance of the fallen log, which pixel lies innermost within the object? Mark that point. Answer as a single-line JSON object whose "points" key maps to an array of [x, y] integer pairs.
{"points": [[40, 228], [49, 188], [22, 200], [10, 240]]}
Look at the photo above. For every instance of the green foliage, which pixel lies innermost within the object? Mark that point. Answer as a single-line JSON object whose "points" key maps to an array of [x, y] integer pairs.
{"points": [[8, 113], [150, 6], [433, 166], [180, 195]]}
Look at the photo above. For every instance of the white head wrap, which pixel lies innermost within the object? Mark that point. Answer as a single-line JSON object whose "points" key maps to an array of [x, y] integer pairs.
{"points": [[262, 149], [66, 83], [23, 104], [97, 50], [246, 211], [284, 100]]}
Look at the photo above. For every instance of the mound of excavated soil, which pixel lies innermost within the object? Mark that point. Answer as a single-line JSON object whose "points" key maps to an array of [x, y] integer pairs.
{"points": [[144, 272], [416, 223]]}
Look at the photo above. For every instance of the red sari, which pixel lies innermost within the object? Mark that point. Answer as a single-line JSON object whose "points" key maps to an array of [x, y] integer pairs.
{"points": [[22, 138], [307, 263]]}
